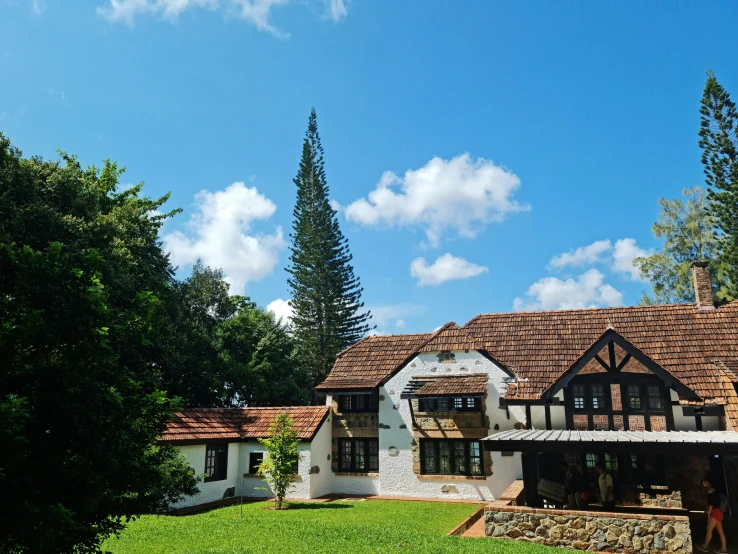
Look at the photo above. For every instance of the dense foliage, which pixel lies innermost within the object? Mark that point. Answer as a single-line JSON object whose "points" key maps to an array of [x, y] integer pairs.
{"points": [[82, 279], [282, 456], [686, 228], [719, 143], [326, 295], [99, 344]]}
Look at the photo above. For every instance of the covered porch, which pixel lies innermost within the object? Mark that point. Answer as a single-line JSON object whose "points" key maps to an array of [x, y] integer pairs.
{"points": [[652, 471]]}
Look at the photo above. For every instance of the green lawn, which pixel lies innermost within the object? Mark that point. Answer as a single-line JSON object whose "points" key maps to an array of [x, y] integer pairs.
{"points": [[346, 527]]}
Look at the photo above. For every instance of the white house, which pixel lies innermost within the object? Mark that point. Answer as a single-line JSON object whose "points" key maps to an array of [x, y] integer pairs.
{"points": [[456, 413]]}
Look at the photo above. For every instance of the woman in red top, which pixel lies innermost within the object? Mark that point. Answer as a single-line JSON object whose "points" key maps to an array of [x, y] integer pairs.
{"points": [[715, 518]]}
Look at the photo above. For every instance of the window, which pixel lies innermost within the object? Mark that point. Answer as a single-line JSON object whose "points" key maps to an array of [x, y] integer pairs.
{"points": [[598, 397], [447, 357], [216, 462], [611, 463], [448, 457], [580, 401], [450, 404], [590, 461], [255, 459], [358, 455], [655, 398], [358, 403], [634, 397]]}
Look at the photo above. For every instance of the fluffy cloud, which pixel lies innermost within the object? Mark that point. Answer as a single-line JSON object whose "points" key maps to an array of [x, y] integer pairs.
{"points": [[587, 290], [218, 233], [390, 316], [620, 256], [445, 268], [256, 12], [460, 194], [584, 255], [282, 310], [623, 254]]}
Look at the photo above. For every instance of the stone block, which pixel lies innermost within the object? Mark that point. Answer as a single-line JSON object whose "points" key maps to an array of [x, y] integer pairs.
{"points": [[541, 531], [580, 545], [668, 531], [658, 542], [501, 516], [525, 526], [514, 533]]}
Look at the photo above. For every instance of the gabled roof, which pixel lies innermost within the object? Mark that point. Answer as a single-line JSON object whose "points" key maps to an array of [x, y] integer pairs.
{"points": [[237, 424], [371, 360], [541, 346], [449, 337]]}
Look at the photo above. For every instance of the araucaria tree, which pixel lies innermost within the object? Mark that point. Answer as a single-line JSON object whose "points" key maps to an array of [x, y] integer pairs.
{"points": [[719, 145], [326, 296], [687, 228], [279, 467]]}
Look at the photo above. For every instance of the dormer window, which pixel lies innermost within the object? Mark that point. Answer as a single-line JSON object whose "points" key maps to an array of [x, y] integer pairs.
{"points": [[447, 357]]}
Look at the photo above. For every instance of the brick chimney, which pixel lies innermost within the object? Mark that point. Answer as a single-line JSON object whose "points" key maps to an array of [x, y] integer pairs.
{"points": [[702, 286]]}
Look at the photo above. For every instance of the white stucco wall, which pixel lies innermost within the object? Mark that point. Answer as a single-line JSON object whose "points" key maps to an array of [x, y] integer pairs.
{"points": [[320, 451], [396, 472], [214, 490]]}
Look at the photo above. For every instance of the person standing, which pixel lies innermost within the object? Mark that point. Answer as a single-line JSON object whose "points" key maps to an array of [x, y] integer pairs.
{"points": [[606, 487], [579, 485], [715, 516]]}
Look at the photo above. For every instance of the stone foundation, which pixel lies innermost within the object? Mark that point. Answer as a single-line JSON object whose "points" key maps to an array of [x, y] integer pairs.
{"points": [[591, 531]]}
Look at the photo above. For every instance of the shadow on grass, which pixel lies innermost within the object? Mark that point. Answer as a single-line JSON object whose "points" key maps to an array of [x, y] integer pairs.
{"points": [[316, 506]]}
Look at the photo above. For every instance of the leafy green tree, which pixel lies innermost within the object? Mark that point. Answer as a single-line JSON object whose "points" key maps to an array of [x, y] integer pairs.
{"points": [[191, 364], [686, 228], [326, 296], [278, 466], [258, 355], [81, 281], [719, 145]]}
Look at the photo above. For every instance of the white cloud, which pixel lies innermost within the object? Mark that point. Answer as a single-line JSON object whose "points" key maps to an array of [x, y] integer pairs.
{"points": [[385, 316], [445, 268], [256, 12], [623, 254], [218, 233], [336, 10], [460, 194], [584, 255], [282, 310], [587, 290]]}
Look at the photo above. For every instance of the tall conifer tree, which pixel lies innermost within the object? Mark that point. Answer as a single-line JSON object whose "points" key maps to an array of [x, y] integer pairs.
{"points": [[719, 143], [326, 296]]}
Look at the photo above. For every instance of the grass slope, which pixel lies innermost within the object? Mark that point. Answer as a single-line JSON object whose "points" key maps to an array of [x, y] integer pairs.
{"points": [[336, 527]]}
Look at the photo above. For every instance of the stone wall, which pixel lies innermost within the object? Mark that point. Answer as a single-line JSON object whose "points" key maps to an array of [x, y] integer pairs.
{"points": [[591, 531]]}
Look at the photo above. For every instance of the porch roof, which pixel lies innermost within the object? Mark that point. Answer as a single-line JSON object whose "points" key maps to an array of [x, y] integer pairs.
{"points": [[616, 442]]}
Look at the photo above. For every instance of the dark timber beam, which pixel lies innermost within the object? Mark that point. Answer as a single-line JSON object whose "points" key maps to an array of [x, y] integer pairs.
{"points": [[602, 362], [611, 353], [624, 361]]}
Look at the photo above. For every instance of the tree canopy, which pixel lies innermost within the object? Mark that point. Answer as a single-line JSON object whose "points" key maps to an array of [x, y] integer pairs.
{"points": [[686, 228], [82, 279]]}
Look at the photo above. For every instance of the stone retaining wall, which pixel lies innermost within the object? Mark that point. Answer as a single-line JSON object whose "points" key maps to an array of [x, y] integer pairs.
{"points": [[591, 531]]}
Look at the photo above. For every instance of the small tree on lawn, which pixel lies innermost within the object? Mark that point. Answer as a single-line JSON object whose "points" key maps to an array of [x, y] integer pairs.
{"points": [[280, 463]]}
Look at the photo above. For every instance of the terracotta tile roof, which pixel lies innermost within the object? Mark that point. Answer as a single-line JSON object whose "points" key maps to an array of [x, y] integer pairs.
{"points": [[450, 337], [541, 346], [731, 396], [204, 424], [371, 360], [457, 384]]}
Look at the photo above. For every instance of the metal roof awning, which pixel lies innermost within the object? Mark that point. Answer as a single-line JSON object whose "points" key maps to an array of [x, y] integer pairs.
{"points": [[616, 442]]}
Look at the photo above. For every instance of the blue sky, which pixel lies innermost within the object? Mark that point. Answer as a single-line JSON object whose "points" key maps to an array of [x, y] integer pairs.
{"points": [[484, 156]]}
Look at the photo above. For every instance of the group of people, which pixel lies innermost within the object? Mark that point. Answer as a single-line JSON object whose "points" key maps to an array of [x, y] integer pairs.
{"points": [[578, 496], [578, 492]]}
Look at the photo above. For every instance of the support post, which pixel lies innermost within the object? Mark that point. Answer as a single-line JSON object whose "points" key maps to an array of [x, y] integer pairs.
{"points": [[530, 478], [548, 417], [528, 418]]}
